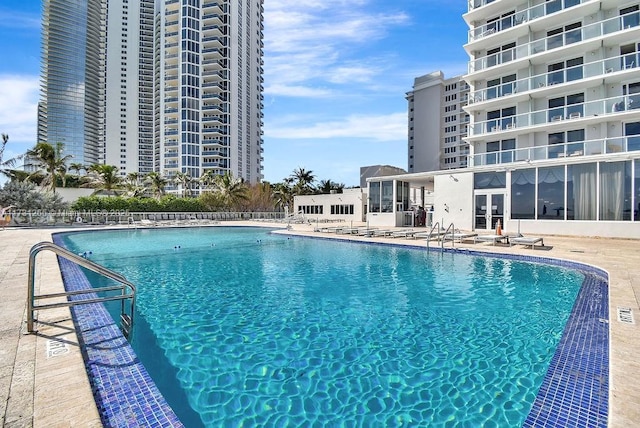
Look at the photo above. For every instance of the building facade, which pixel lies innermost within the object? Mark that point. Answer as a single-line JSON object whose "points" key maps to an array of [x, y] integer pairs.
{"points": [[554, 132], [209, 88], [129, 89], [71, 110], [171, 86], [437, 123]]}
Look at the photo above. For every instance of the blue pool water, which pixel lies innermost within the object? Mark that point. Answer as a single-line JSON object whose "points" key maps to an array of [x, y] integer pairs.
{"points": [[245, 327]]}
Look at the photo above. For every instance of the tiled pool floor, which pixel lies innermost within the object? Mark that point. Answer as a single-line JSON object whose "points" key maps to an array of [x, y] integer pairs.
{"points": [[38, 388]]}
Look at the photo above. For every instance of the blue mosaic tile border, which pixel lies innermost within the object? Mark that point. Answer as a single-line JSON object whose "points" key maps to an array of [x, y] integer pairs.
{"points": [[575, 390], [124, 392]]}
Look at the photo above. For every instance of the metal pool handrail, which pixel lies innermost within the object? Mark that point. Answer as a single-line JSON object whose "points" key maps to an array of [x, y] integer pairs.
{"points": [[127, 288]]}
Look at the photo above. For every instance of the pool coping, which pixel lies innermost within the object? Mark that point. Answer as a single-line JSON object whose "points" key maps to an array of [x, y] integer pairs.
{"points": [[575, 389]]}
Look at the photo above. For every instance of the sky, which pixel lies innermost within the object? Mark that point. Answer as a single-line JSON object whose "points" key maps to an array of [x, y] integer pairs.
{"points": [[336, 73]]}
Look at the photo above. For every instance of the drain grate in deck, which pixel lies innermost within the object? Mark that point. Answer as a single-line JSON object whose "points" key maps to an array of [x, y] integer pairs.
{"points": [[625, 315]]}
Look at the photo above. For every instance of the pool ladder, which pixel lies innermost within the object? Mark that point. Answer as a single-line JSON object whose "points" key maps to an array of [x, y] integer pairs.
{"points": [[127, 289], [439, 235]]}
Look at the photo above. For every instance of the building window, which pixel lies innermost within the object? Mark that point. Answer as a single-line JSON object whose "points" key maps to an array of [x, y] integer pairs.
{"points": [[551, 193], [566, 143], [629, 54], [569, 107], [501, 119], [630, 17], [501, 87], [565, 71], [501, 55], [566, 35]]}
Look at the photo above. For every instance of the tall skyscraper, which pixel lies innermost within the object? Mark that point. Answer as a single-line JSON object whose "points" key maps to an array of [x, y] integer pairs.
{"points": [[209, 88], [73, 78], [155, 85]]}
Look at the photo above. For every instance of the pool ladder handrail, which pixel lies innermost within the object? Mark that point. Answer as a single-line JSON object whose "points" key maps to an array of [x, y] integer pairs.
{"points": [[127, 288], [451, 228], [437, 225]]}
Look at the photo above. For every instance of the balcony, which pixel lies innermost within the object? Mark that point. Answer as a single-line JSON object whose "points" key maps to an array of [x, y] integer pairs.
{"points": [[598, 68], [587, 110], [591, 31], [577, 149], [520, 17]]}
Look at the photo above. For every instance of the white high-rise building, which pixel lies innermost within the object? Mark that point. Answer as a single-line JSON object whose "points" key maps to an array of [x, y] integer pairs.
{"points": [[437, 123], [209, 88], [155, 85], [555, 112], [129, 90]]}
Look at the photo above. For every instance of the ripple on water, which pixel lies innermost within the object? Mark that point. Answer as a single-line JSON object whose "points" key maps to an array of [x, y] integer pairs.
{"points": [[301, 332]]}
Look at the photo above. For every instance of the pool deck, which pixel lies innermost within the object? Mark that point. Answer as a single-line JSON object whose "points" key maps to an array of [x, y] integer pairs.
{"points": [[43, 382]]}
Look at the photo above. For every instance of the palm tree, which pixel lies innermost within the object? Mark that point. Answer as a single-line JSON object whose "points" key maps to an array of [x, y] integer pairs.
{"points": [[103, 177], [133, 185], [207, 179], [303, 181], [50, 159], [156, 183], [283, 195], [232, 190], [6, 166], [184, 180], [77, 167]]}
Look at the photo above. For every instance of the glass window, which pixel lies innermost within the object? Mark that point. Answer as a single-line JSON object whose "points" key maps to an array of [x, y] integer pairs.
{"points": [[489, 180], [581, 191], [523, 194], [551, 193], [615, 190], [632, 134], [387, 197], [630, 17], [374, 197]]}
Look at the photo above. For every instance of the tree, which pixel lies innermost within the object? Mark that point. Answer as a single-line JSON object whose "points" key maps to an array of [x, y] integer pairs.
{"points": [[50, 159], [283, 195], [24, 196], [133, 185], [156, 183], [207, 179], [7, 165], [259, 197], [232, 190], [103, 177], [326, 186], [303, 181], [184, 180], [77, 167]]}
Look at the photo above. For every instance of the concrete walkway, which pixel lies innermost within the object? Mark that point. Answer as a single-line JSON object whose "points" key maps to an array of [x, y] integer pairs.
{"points": [[43, 382]]}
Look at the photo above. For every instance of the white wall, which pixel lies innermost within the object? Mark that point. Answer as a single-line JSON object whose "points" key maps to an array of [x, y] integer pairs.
{"points": [[353, 197], [453, 200]]}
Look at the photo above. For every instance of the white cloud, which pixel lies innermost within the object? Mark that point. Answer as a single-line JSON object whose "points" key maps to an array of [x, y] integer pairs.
{"points": [[311, 42], [385, 127], [18, 111]]}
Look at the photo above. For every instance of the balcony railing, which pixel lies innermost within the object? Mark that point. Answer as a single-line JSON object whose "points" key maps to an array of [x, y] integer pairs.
{"points": [[583, 71], [601, 107], [556, 151], [520, 17], [568, 37]]}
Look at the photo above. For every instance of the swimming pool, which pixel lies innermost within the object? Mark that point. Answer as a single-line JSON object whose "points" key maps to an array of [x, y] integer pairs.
{"points": [[301, 331]]}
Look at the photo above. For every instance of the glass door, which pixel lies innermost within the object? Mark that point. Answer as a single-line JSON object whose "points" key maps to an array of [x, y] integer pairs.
{"points": [[489, 208]]}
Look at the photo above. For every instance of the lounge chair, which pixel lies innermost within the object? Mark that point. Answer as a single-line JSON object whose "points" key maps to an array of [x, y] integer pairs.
{"points": [[459, 236], [436, 234], [527, 240], [491, 238], [404, 233], [382, 232], [366, 231]]}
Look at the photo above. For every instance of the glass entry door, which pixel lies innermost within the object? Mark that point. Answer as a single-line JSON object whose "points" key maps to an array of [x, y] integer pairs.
{"points": [[489, 208]]}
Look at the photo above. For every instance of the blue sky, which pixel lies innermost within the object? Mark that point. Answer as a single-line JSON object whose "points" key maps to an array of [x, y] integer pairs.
{"points": [[336, 75]]}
